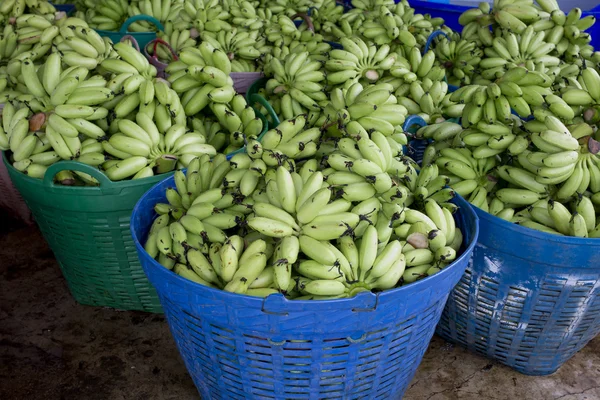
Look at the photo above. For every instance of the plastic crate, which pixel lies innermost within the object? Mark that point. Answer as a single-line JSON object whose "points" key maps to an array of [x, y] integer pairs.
{"points": [[451, 12], [242, 347], [528, 299], [87, 228]]}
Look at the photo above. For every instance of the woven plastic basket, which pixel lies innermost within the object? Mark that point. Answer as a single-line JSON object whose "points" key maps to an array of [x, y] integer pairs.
{"points": [[241, 347], [87, 228], [528, 299]]}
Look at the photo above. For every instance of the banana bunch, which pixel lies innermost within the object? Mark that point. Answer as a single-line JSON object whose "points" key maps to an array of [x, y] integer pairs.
{"points": [[509, 50], [326, 15], [245, 14], [440, 132], [236, 44], [16, 8], [178, 40], [365, 167], [318, 50], [67, 106], [460, 58], [106, 15], [240, 120], [211, 129], [289, 8], [298, 82], [518, 89], [358, 110], [429, 99], [281, 30], [204, 15], [201, 76], [577, 217], [414, 66], [583, 95], [468, 176], [79, 45], [386, 26], [152, 144], [513, 15], [567, 32], [431, 186], [358, 61], [559, 159], [162, 10], [23, 39], [292, 235], [362, 6], [291, 140]]}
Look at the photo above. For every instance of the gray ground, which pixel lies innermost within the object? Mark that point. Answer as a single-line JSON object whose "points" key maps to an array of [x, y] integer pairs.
{"points": [[53, 348]]}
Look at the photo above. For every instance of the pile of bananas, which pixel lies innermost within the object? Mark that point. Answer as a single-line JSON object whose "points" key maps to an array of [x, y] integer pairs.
{"points": [[330, 226], [15, 8]]}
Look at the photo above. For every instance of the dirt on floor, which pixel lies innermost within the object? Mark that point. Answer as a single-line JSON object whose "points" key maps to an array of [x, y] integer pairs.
{"points": [[52, 348]]}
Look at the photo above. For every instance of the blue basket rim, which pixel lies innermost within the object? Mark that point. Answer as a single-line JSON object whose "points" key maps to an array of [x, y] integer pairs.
{"points": [[543, 236], [464, 205]]}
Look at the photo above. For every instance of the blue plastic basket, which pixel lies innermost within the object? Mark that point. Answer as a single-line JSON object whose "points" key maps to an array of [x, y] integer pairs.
{"points": [[241, 347], [416, 147], [451, 12], [528, 299]]}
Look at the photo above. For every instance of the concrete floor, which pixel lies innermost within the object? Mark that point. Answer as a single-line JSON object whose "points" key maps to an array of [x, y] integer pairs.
{"points": [[53, 348]]}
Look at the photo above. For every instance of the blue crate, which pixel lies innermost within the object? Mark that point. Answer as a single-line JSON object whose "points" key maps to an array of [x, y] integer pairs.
{"points": [[241, 347], [528, 299]]}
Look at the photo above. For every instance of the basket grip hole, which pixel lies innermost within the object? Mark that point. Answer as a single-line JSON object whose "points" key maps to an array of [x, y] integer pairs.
{"points": [[274, 342], [357, 339]]}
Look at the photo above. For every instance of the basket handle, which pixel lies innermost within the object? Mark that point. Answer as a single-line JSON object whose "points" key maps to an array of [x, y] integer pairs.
{"points": [[412, 121], [306, 18], [106, 185], [155, 43], [431, 37], [257, 98], [141, 17], [133, 40]]}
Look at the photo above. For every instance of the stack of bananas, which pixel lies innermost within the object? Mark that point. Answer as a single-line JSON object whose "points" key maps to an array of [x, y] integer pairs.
{"points": [[358, 110], [15, 8], [357, 219], [298, 82], [459, 57]]}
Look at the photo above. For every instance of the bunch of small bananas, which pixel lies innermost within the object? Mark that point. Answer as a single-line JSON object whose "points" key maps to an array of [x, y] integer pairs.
{"points": [[201, 76], [308, 231], [16, 8], [298, 82], [358, 110], [459, 57], [358, 61]]}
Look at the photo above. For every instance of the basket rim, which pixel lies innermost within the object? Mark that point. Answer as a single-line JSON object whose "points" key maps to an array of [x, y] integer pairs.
{"points": [[127, 183], [360, 298], [539, 235]]}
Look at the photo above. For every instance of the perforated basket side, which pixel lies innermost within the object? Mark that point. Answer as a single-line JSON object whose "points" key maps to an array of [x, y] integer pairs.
{"points": [[531, 311]]}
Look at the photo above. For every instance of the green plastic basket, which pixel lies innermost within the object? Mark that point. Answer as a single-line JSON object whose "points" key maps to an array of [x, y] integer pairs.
{"points": [[253, 97], [142, 38], [87, 228]]}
